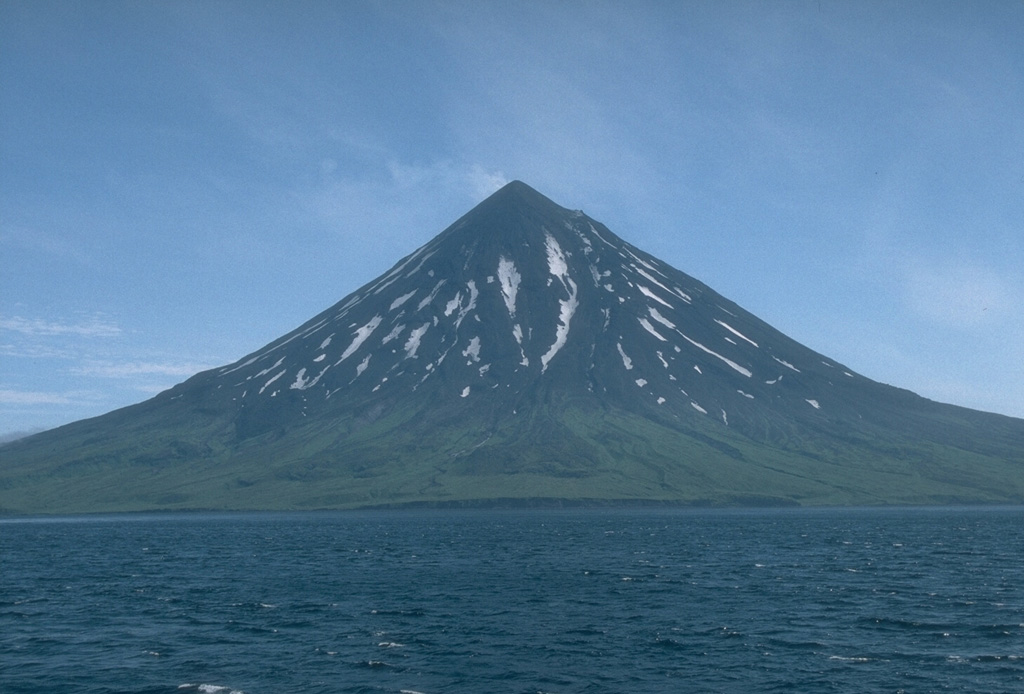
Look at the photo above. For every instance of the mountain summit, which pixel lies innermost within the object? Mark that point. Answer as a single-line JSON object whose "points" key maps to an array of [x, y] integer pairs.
{"points": [[525, 355]]}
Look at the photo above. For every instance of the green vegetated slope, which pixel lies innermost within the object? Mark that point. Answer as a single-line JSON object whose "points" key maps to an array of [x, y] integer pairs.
{"points": [[562, 453]]}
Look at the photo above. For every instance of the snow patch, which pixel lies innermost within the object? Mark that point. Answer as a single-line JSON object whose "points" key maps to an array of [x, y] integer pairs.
{"points": [[268, 370], [395, 332], [558, 267], [465, 392], [661, 401], [557, 264], [413, 343], [698, 407], [814, 404], [626, 361], [651, 295], [682, 295], [323, 345], [315, 327], [473, 350], [735, 332], [401, 300], [453, 304], [279, 375], [430, 297], [594, 232], [346, 306], [566, 310], [390, 278], [641, 382], [247, 363], [464, 311], [650, 328], [645, 263], [362, 365], [656, 315], [746, 395], [786, 364], [517, 332], [320, 358], [361, 335], [420, 264], [509, 279], [729, 362], [303, 383], [649, 277]]}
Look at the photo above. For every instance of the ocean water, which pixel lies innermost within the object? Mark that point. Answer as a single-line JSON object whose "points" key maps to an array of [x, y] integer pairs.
{"points": [[921, 600]]}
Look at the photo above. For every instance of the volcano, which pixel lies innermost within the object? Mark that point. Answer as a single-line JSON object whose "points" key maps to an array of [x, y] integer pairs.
{"points": [[525, 356]]}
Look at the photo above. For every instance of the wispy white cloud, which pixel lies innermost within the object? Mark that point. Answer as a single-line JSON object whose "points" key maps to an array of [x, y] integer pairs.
{"points": [[470, 180], [93, 327], [388, 211], [135, 369], [153, 388], [29, 397], [41, 241], [35, 351], [485, 182]]}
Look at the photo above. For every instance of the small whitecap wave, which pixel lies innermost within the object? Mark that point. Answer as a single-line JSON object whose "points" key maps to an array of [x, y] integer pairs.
{"points": [[210, 689], [994, 658]]}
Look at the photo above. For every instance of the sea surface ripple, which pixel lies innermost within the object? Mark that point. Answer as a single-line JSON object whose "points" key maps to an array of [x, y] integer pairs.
{"points": [[855, 600]]}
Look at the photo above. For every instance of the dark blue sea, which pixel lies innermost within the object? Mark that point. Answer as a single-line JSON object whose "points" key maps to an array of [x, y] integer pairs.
{"points": [[896, 600]]}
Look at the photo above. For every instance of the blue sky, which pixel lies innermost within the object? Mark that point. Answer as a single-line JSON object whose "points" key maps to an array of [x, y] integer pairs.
{"points": [[183, 181]]}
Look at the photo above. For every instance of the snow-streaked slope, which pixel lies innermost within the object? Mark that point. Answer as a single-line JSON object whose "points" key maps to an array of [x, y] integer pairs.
{"points": [[522, 294]]}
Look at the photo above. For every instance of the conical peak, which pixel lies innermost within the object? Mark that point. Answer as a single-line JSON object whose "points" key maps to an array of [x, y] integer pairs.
{"points": [[518, 193], [514, 215], [528, 351], [518, 200]]}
